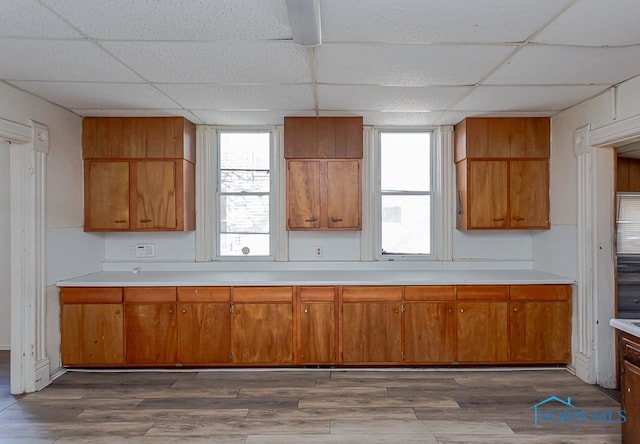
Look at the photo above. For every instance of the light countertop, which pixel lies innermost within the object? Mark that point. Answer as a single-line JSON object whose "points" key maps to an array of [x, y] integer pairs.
{"points": [[312, 277], [631, 326]]}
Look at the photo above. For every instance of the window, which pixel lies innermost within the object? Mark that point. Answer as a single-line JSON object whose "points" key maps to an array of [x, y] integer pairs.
{"points": [[243, 193], [404, 194], [628, 236]]}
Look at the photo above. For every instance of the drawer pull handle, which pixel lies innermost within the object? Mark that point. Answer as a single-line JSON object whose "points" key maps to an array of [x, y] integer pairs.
{"points": [[498, 219], [121, 221], [311, 220], [144, 221], [334, 219], [518, 219]]}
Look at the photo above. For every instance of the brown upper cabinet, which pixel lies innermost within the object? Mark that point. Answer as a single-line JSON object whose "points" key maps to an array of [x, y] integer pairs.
{"points": [[502, 169], [138, 138], [139, 174], [502, 138], [323, 137]]}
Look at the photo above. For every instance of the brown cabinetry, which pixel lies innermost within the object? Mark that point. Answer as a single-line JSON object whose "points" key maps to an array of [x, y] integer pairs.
{"points": [[540, 323], [262, 325], [204, 325], [482, 332], [502, 173], [91, 322], [371, 325], [151, 327], [324, 195], [630, 386], [317, 325], [139, 174], [430, 324], [323, 137]]}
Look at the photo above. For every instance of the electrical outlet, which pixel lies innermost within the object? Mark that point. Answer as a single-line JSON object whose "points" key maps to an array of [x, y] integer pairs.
{"points": [[318, 251], [145, 250]]}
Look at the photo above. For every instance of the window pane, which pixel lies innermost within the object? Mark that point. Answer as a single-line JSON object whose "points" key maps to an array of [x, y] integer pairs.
{"points": [[406, 224], [235, 181], [233, 244], [405, 161], [244, 151], [244, 214]]}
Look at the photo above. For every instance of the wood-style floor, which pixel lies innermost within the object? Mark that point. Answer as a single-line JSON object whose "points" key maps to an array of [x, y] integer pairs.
{"points": [[303, 406]]}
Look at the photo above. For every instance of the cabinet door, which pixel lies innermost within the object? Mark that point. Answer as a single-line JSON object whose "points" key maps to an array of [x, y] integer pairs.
{"points": [[317, 332], [151, 333], [204, 331], [529, 193], [155, 197], [487, 194], [530, 137], [482, 332], [92, 334], [262, 333], [343, 195], [430, 332], [106, 196], [631, 403], [371, 332], [303, 194], [540, 332]]}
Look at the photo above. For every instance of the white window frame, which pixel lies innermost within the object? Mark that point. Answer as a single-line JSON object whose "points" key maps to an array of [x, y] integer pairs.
{"points": [[443, 191], [207, 202]]}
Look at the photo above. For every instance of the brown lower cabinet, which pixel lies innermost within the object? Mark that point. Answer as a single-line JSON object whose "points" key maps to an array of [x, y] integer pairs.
{"points": [[630, 354], [316, 325]]}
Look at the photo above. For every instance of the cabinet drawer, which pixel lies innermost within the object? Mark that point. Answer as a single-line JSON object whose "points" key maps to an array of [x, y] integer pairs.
{"points": [[204, 294], [90, 295], [630, 350], [371, 294], [262, 294], [317, 294], [430, 293], [483, 292], [540, 292], [150, 294]]}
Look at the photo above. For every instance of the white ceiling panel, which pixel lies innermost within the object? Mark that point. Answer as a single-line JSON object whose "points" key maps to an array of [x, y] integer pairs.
{"points": [[381, 118], [98, 95], [219, 62], [63, 60], [435, 21], [177, 19], [216, 117], [596, 23], [393, 98], [539, 65], [26, 18], [407, 65], [207, 96], [526, 98]]}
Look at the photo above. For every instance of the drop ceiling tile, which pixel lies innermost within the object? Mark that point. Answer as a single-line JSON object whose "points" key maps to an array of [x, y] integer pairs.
{"points": [[26, 18], [440, 21], [177, 20], [407, 65], [527, 98], [543, 64], [393, 98], [64, 60], [216, 117], [138, 113], [596, 23], [217, 62], [207, 96], [387, 118], [98, 95]]}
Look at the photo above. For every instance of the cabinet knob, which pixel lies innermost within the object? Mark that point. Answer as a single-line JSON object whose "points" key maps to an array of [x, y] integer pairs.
{"points": [[117, 312], [306, 310], [184, 311], [450, 310], [462, 310], [170, 312], [236, 311], [515, 309], [498, 219], [397, 310]]}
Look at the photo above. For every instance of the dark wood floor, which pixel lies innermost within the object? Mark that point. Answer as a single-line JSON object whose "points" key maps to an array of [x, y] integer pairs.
{"points": [[304, 406]]}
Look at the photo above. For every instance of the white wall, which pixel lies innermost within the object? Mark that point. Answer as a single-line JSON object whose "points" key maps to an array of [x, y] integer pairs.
{"points": [[5, 250], [70, 251]]}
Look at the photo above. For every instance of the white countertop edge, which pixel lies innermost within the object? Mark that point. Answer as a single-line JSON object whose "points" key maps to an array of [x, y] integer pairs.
{"points": [[626, 325], [313, 278]]}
